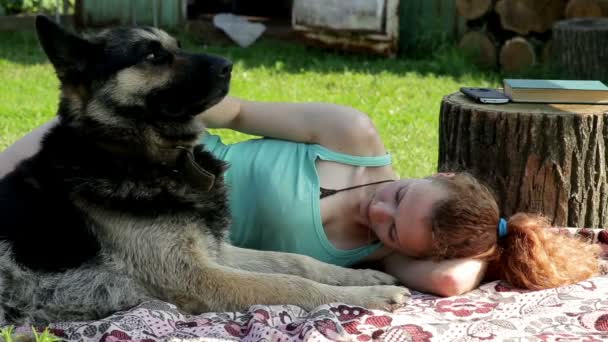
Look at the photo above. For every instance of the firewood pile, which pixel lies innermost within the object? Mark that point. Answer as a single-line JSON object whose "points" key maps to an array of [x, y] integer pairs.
{"points": [[515, 34]]}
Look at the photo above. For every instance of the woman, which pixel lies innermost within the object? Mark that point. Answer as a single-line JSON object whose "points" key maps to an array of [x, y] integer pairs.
{"points": [[321, 184]]}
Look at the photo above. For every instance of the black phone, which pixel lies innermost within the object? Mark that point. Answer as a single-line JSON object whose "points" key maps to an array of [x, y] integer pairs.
{"points": [[485, 95]]}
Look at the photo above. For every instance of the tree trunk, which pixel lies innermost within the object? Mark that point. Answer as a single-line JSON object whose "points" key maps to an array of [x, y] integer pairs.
{"points": [[548, 159], [586, 8], [473, 9], [581, 47], [519, 54], [525, 16], [481, 46]]}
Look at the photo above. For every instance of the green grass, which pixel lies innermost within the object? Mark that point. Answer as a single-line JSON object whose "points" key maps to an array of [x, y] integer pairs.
{"points": [[401, 96], [7, 335]]}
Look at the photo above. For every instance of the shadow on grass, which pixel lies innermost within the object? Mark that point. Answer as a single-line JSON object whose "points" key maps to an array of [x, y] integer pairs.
{"points": [[22, 47]]}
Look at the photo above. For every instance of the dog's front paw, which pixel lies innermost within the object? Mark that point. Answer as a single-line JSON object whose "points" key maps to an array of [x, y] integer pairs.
{"points": [[378, 297], [368, 277]]}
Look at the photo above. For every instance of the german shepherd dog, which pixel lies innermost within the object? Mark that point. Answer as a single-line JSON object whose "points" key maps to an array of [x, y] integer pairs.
{"points": [[120, 205]]}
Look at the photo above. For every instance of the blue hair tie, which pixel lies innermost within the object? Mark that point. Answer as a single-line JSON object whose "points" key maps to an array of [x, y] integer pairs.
{"points": [[502, 228]]}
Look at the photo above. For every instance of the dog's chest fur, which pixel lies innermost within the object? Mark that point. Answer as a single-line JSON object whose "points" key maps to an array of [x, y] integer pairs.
{"points": [[75, 201]]}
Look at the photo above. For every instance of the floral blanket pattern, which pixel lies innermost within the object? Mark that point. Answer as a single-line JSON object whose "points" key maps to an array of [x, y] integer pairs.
{"points": [[494, 311]]}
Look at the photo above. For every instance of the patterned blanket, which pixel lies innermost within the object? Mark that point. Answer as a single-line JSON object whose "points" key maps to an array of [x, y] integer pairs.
{"points": [[493, 312]]}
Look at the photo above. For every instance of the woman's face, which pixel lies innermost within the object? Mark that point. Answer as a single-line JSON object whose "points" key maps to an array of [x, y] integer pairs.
{"points": [[399, 213]]}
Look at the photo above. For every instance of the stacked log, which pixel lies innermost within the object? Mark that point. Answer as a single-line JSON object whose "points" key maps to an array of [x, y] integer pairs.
{"points": [[516, 34], [473, 9], [524, 16], [480, 46]]}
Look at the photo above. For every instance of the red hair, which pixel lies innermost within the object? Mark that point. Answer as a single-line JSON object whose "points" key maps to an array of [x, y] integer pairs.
{"points": [[465, 225]]}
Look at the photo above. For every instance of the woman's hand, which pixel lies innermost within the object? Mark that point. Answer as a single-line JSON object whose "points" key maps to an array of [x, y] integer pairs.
{"points": [[445, 278], [336, 127]]}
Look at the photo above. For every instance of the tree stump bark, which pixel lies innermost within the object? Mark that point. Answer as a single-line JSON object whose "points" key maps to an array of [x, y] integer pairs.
{"points": [[473, 9], [581, 47], [525, 16], [550, 159]]}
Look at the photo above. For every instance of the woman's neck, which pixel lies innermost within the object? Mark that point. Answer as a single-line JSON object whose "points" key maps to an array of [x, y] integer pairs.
{"points": [[345, 227]]}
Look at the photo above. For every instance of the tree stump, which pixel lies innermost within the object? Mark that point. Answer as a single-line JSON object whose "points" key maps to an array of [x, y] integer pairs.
{"points": [[581, 47], [550, 159]]}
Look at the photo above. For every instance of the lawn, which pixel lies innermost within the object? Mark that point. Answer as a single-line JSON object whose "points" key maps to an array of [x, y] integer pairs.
{"points": [[402, 96]]}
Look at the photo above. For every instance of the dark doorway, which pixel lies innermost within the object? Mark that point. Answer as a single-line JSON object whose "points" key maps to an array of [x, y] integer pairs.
{"points": [[270, 9]]}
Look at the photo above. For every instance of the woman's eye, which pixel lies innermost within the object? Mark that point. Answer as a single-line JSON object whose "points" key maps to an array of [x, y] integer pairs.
{"points": [[392, 231]]}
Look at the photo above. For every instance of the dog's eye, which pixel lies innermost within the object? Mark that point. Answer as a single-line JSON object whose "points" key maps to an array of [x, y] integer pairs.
{"points": [[159, 57]]}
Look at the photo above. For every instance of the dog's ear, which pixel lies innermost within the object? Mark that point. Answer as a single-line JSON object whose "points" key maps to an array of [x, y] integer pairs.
{"points": [[68, 53]]}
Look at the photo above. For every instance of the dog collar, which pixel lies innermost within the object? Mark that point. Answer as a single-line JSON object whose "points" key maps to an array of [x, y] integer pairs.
{"points": [[181, 161], [192, 170]]}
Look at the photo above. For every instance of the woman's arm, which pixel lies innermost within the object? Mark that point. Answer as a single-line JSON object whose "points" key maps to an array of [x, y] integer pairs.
{"points": [[445, 278], [340, 128], [23, 148]]}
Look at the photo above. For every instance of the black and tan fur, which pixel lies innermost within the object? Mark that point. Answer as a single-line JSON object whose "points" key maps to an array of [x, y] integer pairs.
{"points": [[110, 213]]}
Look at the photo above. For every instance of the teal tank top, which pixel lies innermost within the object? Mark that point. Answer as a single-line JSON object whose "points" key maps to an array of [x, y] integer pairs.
{"points": [[274, 192]]}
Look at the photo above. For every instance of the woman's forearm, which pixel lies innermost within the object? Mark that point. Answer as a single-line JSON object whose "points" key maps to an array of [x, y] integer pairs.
{"points": [[23, 148], [445, 278]]}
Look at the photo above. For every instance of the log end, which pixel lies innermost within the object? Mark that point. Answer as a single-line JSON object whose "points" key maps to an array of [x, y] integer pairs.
{"points": [[473, 9], [524, 16], [480, 47], [583, 9], [517, 54]]}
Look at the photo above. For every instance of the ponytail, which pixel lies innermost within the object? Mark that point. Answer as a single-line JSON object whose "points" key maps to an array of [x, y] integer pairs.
{"points": [[520, 250], [532, 257]]}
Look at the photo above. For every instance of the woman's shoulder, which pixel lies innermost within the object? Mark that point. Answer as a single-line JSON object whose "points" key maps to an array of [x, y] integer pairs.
{"points": [[361, 139]]}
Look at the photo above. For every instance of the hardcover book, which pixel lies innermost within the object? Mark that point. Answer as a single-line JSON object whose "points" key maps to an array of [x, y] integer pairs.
{"points": [[556, 91]]}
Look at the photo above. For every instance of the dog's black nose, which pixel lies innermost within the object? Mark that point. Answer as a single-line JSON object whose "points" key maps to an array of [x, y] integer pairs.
{"points": [[224, 69]]}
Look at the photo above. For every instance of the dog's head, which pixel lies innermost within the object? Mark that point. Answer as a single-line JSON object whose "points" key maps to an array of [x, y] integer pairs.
{"points": [[133, 84]]}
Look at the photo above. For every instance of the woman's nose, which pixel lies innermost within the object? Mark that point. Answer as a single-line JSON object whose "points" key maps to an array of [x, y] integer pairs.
{"points": [[381, 213]]}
